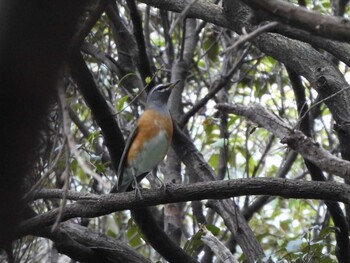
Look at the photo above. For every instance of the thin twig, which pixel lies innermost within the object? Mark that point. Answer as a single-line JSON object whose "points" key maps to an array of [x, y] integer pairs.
{"points": [[317, 103], [140, 92], [215, 88], [35, 187], [72, 145], [247, 37], [182, 15], [66, 177], [220, 250]]}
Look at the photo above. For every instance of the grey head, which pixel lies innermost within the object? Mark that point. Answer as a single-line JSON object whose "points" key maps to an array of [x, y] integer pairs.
{"points": [[159, 95]]}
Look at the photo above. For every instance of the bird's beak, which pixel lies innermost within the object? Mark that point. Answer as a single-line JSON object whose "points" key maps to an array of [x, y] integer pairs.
{"points": [[171, 85]]}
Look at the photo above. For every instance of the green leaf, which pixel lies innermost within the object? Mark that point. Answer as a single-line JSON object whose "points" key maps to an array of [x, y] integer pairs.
{"points": [[148, 80], [100, 167], [121, 103], [133, 235], [213, 160], [213, 229], [325, 232], [194, 243]]}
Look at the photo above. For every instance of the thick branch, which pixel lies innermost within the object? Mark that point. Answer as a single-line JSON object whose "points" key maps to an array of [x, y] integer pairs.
{"points": [[164, 245], [305, 60], [342, 236], [338, 49], [293, 138], [214, 14], [143, 63], [94, 206], [112, 135], [126, 47], [86, 245], [204, 10], [196, 165], [326, 26]]}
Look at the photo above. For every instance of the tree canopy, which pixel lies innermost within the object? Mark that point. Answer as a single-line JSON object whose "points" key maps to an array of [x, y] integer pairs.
{"points": [[258, 169]]}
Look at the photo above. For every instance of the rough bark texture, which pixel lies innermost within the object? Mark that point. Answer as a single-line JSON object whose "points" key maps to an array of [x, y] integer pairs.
{"points": [[292, 137], [95, 205], [327, 26]]}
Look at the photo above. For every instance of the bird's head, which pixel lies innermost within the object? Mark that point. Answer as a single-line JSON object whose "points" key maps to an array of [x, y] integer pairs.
{"points": [[159, 95]]}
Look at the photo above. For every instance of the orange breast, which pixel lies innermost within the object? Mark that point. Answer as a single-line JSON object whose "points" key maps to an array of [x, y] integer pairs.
{"points": [[148, 126]]}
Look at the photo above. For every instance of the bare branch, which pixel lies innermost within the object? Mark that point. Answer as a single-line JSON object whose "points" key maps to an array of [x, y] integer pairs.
{"points": [[220, 250], [326, 26], [247, 37], [93, 205], [294, 138], [86, 245]]}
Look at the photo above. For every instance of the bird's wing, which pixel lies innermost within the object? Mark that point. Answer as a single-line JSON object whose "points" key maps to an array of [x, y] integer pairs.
{"points": [[122, 162]]}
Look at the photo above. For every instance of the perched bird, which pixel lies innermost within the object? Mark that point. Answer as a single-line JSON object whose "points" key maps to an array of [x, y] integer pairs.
{"points": [[149, 141]]}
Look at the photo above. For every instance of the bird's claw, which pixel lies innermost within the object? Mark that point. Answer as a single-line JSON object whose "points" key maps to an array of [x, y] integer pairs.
{"points": [[137, 190], [168, 185]]}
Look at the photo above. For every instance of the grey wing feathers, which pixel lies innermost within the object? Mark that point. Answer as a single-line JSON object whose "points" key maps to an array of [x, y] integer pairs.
{"points": [[122, 162]]}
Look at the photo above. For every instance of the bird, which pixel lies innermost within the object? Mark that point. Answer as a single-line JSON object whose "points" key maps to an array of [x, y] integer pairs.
{"points": [[148, 143]]}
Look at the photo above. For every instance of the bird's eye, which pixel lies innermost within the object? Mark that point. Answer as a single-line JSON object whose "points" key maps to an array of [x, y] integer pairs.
{"points": [[162, 89]]}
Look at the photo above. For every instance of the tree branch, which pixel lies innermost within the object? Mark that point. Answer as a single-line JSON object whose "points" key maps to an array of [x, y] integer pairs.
{"points": [[143, 64], [293, 138], [160, 241], [113, 138], [196, 165], [214, 89], [86, 245], [342, 236], [220, 250], [338, 49], [204, 10], [326, 26], [309, 63], [93, 206], [212, 13]]}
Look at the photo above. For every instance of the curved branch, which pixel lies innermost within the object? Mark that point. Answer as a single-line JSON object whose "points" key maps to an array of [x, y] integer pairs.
{"points": [[143, 64], [326, 26], [338, 49], [90, 205], [170, 250], [86, 245], [214, 89], [342, 236], [112, 135], [294, 54], [293, 138], [204, 10]]}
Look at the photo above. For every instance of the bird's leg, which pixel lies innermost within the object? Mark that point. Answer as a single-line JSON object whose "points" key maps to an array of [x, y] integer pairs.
{"points": [[164, 186], [154, 173], [136, 185]]}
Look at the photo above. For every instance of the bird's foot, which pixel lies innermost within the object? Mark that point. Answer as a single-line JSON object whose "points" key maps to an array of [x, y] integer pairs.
{"points": [[137, 191], [168, 185]]}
